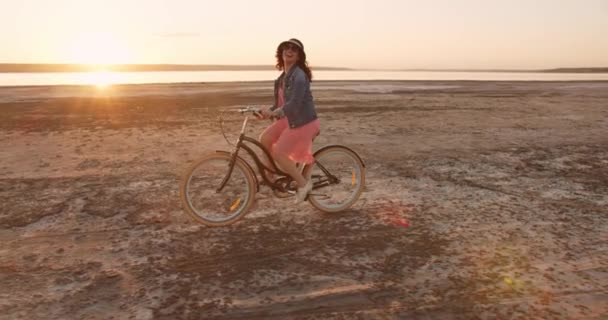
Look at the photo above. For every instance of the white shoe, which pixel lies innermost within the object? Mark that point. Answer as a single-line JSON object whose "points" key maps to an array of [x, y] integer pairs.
{"points": [[302, 192]]}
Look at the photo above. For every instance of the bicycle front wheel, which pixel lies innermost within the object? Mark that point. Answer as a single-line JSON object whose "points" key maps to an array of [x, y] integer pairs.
{"points": [[204, 200], [338, 176]]}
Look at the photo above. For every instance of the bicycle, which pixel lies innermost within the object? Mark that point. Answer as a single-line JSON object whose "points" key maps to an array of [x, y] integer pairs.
{"points": [[220, 187]]}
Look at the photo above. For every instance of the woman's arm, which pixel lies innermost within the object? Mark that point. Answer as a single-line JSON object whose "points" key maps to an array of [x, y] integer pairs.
{"points": [[275, 97], [298, 91]]}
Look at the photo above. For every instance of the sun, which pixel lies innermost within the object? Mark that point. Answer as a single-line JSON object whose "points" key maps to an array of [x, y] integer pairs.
{"points": [[99, 48]]}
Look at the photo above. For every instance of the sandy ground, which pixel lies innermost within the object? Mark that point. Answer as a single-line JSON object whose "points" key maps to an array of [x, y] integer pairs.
{"points": [[504, 186]]}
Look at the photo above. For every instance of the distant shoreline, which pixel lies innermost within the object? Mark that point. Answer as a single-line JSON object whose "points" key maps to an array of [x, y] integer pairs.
{"points": [[48, 68], [61, 68], [555, 70]]}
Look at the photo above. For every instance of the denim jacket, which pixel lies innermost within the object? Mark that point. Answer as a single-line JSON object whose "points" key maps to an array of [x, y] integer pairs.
{"points": [[298, 105]]}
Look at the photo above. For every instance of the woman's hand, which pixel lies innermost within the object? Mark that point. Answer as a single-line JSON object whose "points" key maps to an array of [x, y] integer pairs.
{"points": [[266, 113], [277, 113]]}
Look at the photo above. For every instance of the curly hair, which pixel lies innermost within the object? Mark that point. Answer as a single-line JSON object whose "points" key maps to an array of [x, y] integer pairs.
{"points": [[302, 63]]}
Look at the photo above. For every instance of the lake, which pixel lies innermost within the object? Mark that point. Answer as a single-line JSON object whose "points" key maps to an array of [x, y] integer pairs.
{"points": [[108, 78]]}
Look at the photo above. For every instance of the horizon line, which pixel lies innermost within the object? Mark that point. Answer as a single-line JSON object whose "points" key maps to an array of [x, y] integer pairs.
{"points": [[119, 67]]}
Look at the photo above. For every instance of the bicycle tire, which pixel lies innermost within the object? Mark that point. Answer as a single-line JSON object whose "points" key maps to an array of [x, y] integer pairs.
{"points": [[237, 206], [355, 174]]}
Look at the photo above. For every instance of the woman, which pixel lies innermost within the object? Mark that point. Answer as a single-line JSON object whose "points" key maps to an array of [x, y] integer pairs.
{"points": [[289, 139]]}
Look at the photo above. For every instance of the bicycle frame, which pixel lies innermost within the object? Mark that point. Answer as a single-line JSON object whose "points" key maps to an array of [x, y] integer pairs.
{"points": [[240, 144]]}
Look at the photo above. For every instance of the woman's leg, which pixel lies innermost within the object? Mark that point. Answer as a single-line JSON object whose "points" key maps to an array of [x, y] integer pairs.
{"points": [[290, 168], [267, 141], [268, 138], [287, 165], [294, 145]]}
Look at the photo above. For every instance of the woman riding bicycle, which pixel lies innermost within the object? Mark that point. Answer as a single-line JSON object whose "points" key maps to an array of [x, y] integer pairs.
{"points": [[289, 139]]}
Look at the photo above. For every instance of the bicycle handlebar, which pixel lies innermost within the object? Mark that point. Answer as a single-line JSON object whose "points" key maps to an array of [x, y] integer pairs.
{"points": [[251, 109], [256, 111]]}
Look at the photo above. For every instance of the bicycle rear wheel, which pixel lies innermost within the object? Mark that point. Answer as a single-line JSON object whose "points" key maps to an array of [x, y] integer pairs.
{"points": [[338, 177], [202, 199]]}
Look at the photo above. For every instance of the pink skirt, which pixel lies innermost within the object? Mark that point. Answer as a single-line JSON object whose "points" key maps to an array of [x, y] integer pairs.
{"points": [[296, 143]]}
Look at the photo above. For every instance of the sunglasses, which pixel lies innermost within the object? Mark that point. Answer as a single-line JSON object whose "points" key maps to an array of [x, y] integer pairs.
{"points": [[290, 46]]}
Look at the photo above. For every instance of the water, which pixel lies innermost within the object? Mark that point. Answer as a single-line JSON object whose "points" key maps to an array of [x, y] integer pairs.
{"points": [[108, 78]]}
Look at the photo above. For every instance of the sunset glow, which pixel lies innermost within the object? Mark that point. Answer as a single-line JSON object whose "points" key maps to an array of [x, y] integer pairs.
{"points": [[385, 34], [101, 79], [98, 48]]}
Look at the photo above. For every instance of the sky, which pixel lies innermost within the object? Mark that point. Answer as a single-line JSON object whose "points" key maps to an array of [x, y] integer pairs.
{"points": [[394, 34]]}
